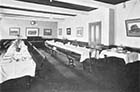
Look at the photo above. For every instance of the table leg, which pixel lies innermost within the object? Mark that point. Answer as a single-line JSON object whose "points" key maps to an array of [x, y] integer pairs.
{"points": [[90, 68]]}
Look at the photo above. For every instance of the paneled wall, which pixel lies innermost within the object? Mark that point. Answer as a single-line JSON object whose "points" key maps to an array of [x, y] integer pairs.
{"points": [[7, 23]]}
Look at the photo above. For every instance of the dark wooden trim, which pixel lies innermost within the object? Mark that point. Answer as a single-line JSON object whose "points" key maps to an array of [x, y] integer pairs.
{"points": [[114, 2], [60, 4], [37, 11]]}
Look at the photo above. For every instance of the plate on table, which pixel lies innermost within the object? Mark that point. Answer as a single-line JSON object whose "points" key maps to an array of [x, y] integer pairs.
{"points": [[5, 61], [7, 58], [121, 51]]}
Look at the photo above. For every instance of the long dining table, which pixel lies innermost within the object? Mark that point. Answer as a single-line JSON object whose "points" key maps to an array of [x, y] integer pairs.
{"points": [[82, 51], [129, 57], [16, 64]]}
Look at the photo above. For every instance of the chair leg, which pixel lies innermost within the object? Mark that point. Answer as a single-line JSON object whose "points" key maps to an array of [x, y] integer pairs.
{"points": [[83, 65], [28, 82], [87, 66], [71, 62]]}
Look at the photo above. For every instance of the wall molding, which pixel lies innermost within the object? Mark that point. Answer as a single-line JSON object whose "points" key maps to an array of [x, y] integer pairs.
{"points": [[36, 11]]}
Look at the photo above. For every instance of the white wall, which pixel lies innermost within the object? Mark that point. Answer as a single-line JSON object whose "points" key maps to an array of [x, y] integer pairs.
{"points": [[101, 14], [131, 11], [0, 29], [6, 23], [0, 23]]}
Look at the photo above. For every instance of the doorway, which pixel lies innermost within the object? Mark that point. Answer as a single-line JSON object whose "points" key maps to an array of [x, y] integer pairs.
{"points": [[94, 33]]}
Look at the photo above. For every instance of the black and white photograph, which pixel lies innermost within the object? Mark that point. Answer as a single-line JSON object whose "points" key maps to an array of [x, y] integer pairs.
{"points": [[60, 31], [14, 31], [32, 31], [133, 27], [69, 45], [68, 30], [47, 32], [79, 31]]}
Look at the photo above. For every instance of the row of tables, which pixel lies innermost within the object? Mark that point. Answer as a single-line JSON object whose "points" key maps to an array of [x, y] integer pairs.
{"points": [[82, 51], [19, 64], [129, 57]]}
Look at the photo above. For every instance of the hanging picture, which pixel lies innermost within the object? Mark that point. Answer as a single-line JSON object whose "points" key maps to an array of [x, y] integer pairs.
{"points": [[68, 31], [79, 31], [32, 31], [133, 27], [47, 32], [60, 31], [14, 31]]}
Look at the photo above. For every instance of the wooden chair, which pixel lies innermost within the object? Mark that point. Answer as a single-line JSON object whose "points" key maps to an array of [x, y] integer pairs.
{"points": [[70, 59]]}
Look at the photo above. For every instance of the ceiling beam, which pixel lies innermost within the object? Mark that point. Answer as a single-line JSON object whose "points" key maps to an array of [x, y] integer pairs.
{"points": [[89, 3], [37, 11], [45, 8], [7, 13]]}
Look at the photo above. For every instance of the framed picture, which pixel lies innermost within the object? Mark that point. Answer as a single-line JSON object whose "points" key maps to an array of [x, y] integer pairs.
{"points": [[60, 31], [47, 32], [68, 31], [79, 31], [14, 31], [32, 31], [133, 27]]}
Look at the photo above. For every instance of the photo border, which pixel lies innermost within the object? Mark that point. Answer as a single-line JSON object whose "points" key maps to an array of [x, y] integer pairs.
{"points": [[32, 29], [132, 22]]}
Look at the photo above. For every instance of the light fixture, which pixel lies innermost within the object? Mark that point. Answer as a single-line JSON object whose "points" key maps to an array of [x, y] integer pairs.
{"points": [[124, 5], [32, 22]]}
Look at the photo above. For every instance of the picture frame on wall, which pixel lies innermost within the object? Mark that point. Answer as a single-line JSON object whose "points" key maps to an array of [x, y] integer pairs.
{"points": [[60, 31], [14, 31], [32, 31], [133, 27], [47, 32], [79, 31], [68, 31]]}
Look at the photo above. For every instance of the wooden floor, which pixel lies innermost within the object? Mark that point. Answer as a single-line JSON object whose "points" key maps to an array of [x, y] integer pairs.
{"points": [[58, 77]]}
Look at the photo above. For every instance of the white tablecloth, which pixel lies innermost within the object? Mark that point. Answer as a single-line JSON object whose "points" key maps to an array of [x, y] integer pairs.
{"points": [[16, 64], [84, 52], [128, 57]]}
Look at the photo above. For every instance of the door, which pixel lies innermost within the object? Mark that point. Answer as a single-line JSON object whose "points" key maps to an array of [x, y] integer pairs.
{"points": [[94, 33]]}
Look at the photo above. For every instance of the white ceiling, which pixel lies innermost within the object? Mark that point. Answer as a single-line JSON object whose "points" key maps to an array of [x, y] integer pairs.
{"points": [[10, 13]]}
